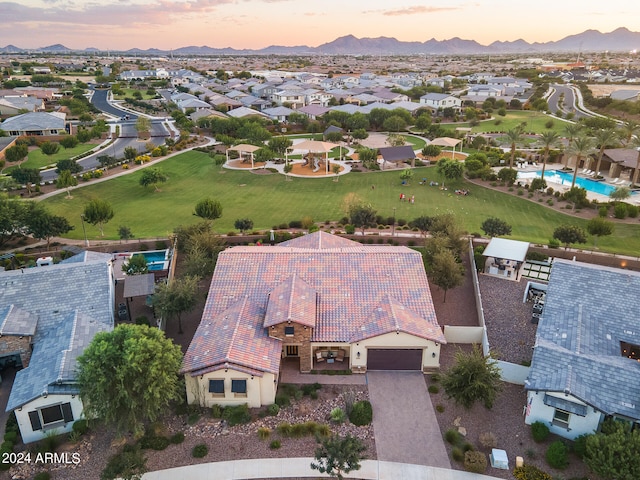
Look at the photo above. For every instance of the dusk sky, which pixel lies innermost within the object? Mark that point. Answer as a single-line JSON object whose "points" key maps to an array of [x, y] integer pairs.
{"points": [[167, 24]]}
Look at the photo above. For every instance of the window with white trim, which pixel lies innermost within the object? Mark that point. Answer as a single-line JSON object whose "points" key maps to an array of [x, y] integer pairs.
{"points": [[50, 416], [561, 418]]}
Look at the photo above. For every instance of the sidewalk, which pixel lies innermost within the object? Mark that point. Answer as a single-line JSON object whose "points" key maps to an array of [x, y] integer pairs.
{"points": [[259, 468]]}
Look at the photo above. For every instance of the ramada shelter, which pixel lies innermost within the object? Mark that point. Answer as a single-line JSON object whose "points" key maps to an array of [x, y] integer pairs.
{"points": [[317, 299]]}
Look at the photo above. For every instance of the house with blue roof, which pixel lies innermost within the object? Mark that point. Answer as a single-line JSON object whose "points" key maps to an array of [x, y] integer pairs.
{"points": [[586, 359], [314, 300], [48, 316]]}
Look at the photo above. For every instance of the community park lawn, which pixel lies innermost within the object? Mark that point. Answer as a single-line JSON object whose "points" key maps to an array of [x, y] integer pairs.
{"points": [[37, 159], [270, 200], [535, 122]]}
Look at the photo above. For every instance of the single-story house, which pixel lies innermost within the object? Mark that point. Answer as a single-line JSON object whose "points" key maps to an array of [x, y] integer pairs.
{"points": [[280, 113], [35, 124], [14, 104], [313, 300], [585, 366], [505, 258], [48, 316]]}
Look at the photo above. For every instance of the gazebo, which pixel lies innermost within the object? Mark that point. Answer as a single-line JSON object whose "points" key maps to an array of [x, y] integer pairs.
{"points": [[315, 146], [447, 142], [243, 148], [505, 258]]}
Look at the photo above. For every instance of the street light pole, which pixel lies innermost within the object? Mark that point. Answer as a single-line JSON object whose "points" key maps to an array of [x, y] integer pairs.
{"points": [[86, 241], [393, 227]]}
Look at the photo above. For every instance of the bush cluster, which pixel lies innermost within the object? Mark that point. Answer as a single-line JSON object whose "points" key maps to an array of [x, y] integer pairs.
{"points": [[557, 455], [361, 413], [475, 461], [530, 472], [539, 431], [200, 451]]}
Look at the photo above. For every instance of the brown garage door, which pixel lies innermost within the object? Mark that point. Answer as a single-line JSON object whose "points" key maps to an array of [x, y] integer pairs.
{"points": [[394, 359]]}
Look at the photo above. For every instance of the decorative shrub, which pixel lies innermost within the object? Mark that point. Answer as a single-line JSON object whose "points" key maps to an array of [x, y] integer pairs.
{"points": [[557, 455], [452, 436], [475, 461], [153, 442], [603, 211], [362, 413], [11, 437], [177, 438], [79, 426], [200, 451], [42, 476], [273, 409], [309, 388], [530, 472], [275, 444], [620, 210], [349, 229], [488, 440], [580, 445], [338, 415], [632, 211], [237, 415], [433, 389], [539, 432], [216, 411], [284, 429], [439, 408], [457, 454], [282, 400], [193, 418], [554, 243], [263, 433]]}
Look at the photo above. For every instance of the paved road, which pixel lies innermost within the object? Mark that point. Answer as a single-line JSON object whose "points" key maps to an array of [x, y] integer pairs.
{"points": [[404, 421], [99, 100], [569, 102]]}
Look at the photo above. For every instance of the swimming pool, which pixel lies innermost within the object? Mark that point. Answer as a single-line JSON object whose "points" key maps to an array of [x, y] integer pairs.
{"points": [[156, 259], [564, 178]]}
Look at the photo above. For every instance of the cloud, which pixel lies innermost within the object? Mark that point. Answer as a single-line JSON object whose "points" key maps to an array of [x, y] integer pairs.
{"points": [[417, 9]]}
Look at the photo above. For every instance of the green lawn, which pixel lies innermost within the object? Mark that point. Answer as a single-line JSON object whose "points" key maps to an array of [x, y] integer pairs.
{"points": [[270, 200], [535, 122], [37, 159], [128, 92]]}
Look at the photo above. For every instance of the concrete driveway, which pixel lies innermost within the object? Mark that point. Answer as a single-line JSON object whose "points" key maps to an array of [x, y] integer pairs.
{"points": [[404, 420]]}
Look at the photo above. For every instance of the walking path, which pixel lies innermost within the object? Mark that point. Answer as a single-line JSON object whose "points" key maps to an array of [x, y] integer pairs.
{"points": [[404, 420], [279, 468]]}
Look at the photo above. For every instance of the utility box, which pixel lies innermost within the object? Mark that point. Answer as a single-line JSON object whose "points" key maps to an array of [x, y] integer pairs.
{"points": [[499, 459]]}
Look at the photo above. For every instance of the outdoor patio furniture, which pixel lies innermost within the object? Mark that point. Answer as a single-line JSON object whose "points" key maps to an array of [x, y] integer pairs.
{"points": [[319, 357], [340, 356]]}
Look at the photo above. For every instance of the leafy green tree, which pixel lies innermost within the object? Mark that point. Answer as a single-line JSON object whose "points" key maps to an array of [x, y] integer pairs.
{"points": [[68, 164], [362, 216], [599, 227], [396, 140], [201, 247], [12, 212], [106, 161], [69, 141], [279, 145], [152, 177], [130, 153], [620, 194], [614, 455], [136, 265], [26, 176], [450, 169], [43, 225], [98, 212], [422, 223], [538, 184], [66, 180], [124, 233], [495, 227], [359, 134], [243, 224], [423, 122], [514, 136], [446, 272], [175, 298], [508, 175], [569, 234], [334, 137], [628, 130], [431, 150], [50, 148], [338, 455], [604, 137], [143, 126], [336, 170], [577, 196], [129, 376], [473, 378], [16, 153], [287, 170], [208, 208], [406, 175]]}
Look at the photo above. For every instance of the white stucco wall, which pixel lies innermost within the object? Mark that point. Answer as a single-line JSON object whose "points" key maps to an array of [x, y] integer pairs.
{"points": [[395, 340], [260, 390], [577, 425], [22, 415]]}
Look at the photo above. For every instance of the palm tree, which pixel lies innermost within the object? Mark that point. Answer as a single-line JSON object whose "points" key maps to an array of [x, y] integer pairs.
{"points": [[571, 130], [514, 136], [604, 137], [549, 139], [580, 147], [628, 130]]}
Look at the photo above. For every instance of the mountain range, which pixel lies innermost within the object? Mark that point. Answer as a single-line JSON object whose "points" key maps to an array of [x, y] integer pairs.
{"points": [[619, 40]]}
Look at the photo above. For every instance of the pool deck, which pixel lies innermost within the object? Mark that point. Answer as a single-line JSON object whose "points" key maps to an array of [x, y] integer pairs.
{"points": [[590, 195]]}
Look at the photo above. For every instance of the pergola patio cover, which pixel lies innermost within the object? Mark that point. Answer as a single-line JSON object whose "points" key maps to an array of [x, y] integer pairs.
{"points": [[507, 249], [139, 285]]}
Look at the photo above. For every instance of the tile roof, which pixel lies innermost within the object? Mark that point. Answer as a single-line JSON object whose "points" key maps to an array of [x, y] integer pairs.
{"points": [[588, 311], [33, 121], [72, 301], [16, 321], [233, 338], [351, 281], [292, 301]]}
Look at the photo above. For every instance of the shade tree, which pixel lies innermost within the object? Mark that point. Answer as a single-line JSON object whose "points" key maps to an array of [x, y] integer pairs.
{"points": [[98, 212]]}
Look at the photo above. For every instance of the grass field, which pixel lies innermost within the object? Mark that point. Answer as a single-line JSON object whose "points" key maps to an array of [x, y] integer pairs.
{"points": [[535, 122], [270, 200], [37, 159], [128, 92]]}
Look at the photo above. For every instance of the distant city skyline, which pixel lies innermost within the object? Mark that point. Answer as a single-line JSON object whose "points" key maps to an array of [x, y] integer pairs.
{"points": [[255, 24]]}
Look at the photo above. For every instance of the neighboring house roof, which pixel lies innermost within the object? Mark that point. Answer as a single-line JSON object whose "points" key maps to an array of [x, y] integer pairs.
{"points": [[507, 249], [626, 157], [397, 154], [589, 310], [34, 121], [241, 112], [278, 111], [315, 110], [72, 301], [332, 129], [351, 280], [630, 95]]}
